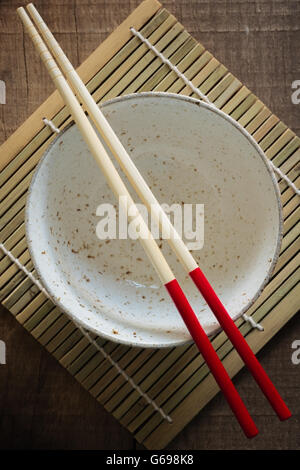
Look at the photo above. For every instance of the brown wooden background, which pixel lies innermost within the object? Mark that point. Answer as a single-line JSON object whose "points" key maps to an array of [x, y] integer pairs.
{"points": [[41, 405]]}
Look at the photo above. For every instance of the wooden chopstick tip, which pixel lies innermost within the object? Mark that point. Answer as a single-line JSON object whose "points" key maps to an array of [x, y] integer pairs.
{"points": [[23, 16], [26, 20], [21, 10], [31, 8]]}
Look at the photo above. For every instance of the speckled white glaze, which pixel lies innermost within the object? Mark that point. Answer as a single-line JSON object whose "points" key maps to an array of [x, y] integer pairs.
{"points": [[188, 152]]}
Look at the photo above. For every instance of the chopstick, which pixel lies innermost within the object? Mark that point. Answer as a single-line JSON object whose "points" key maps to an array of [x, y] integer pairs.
{"points": [[144, 192], [145, 237]]}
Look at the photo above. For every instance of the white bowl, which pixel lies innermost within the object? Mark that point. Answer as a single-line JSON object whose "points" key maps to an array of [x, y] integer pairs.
{"points": [[188, 152]]}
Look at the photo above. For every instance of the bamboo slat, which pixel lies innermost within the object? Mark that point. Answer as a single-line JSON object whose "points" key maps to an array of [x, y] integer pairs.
{"points": [[53, 330]]}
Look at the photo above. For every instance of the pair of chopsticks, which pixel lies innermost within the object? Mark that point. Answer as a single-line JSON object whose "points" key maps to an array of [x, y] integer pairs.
{"points": [[150, 246]]}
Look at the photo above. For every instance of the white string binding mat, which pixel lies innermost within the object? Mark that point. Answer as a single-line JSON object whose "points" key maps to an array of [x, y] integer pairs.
{"points": [[90, 339], [285, 178], [252, 322], [172, 66], [51, 125]]}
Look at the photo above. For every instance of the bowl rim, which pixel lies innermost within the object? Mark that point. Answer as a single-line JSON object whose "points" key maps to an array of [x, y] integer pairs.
{"points": [[215, 327]]}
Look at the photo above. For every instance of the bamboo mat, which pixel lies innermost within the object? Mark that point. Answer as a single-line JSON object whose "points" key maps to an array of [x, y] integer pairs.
{"points": [[176, 379]]}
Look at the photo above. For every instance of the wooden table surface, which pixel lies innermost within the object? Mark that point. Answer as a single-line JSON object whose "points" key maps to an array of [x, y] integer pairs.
{"points": [[41, 405]]}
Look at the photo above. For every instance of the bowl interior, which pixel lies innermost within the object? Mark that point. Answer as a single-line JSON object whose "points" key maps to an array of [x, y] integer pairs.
{"points": [[188, 154]]}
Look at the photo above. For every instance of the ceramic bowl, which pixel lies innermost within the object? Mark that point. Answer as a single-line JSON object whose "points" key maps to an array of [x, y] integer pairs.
{"points": [[188, 152]]}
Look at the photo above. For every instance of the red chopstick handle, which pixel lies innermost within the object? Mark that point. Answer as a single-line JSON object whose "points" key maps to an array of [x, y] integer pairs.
{"points": [[212, 359], [240, 344]]}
